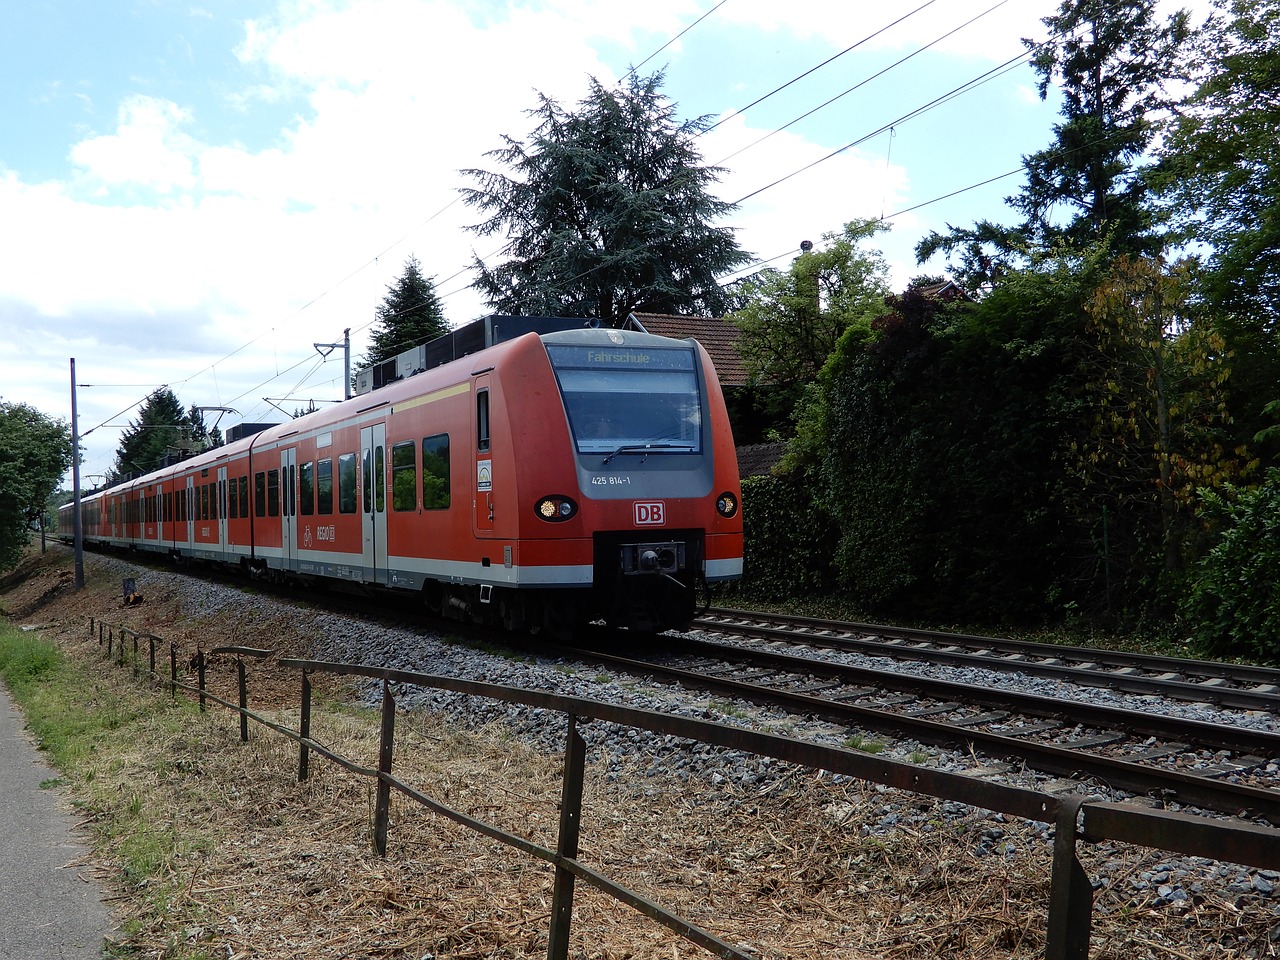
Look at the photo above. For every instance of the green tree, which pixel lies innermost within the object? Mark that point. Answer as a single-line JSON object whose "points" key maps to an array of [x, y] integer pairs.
{"points": [[35, 451], [410, 314], [1111, 61], [1220, 176], [202, 437], [1160, 416], [792, 320], [1233, 607], [162, 430], [607, 209]]}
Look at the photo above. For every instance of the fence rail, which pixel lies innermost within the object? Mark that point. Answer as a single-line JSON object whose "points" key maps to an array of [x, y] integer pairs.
{"points": [[1076, 819]]}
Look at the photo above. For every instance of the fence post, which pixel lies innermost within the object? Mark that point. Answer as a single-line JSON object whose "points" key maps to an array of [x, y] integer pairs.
{"points": [[151, 652], [135, 655], [304, 728], [200, 665], [575, 752], [244, 700], [1071, 894], [382, 811], [173, 669], [110, 640]]}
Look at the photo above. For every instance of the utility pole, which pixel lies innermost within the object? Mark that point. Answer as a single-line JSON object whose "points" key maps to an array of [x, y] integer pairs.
{"points": [[324, 348], [77, 533]]}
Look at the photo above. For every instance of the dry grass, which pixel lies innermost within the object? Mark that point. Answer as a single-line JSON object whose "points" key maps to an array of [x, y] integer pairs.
{"points": [[248, 862]]}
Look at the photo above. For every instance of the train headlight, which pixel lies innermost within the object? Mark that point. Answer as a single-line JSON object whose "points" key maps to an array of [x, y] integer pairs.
{"points": [[555, 508], [726, 505]]}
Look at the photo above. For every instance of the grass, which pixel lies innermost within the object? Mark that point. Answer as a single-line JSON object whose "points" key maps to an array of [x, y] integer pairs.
{"points": [[90, 726], [217, 850]]}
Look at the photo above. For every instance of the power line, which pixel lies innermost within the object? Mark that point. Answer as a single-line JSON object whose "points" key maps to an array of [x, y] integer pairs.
{"points": [[672, 40], [832, 59]]}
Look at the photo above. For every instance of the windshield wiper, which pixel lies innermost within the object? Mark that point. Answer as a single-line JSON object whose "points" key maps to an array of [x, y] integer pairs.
{"points": [[645, 448]]}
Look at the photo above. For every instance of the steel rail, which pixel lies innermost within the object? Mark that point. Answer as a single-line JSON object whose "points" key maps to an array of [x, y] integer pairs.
{"points": [[1264, 743], [861, 638], [1165, 784]]}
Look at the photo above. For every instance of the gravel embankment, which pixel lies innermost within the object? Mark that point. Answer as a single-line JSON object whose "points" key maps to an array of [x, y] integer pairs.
{"points": [[625, 752]]}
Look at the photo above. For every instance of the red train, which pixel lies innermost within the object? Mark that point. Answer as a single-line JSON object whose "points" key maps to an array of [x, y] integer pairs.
{"points": [[545, 481]]}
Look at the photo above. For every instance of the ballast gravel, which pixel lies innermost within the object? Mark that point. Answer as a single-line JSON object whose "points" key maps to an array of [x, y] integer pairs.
{"points": [[626, 752]]}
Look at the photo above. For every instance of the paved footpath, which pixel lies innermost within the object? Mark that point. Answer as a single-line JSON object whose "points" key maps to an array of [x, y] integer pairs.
{"points": [[50, 905]]}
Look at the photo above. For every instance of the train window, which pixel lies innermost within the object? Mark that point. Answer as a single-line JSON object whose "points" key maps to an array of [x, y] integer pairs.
{"points": [[244, 496], [204, 502], [233, 511], [404, 476], [306, 489], [368, 481], [380, 478], [435, 472], [482, 421], [630, 399], [259, 494], [324, 487], [347, 483], [273, 493]]}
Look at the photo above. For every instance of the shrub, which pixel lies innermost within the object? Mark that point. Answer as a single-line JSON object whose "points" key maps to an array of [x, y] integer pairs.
{"points": [[1234, 604]]}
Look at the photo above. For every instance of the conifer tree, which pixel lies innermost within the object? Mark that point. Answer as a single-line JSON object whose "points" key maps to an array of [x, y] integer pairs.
{"points": [[410, 314], [607, 208]]}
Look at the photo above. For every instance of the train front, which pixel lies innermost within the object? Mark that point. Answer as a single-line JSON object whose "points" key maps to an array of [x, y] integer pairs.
{"points": [[656, 469]]}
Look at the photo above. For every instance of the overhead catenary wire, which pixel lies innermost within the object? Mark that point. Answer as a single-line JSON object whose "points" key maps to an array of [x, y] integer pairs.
{"points": [[445, 295]]}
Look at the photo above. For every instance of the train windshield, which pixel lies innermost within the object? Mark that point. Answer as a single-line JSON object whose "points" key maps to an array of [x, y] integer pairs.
{"points": [[622, 400]]}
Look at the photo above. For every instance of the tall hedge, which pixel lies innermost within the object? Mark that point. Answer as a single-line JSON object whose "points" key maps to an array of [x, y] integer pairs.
{"points": [[1234, 604]]}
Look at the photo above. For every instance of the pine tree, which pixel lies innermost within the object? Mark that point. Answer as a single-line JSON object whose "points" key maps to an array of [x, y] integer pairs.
{"points": [[410, 314], [607, 209], [161, 429], [1112, 63]]}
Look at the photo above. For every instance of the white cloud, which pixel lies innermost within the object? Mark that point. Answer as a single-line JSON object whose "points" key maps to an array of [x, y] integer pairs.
{"points": [[147, 149], [166, 248]]}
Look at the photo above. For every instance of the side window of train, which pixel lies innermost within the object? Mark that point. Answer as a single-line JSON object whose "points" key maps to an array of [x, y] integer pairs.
{"points": [[435, 472], [233, 502], [273, 493], [306, 489], [324, 487], [260, 494], [482, 421], [244, 496], [347, 483], [404, 476]]}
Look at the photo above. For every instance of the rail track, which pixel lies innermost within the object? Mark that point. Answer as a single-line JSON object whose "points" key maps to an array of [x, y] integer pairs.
{"points": [[1234, 686], [1218, 767], [1191, 763]]}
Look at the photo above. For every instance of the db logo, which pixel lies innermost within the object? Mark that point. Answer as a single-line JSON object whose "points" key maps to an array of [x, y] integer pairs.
{"points": [[650, 513]]}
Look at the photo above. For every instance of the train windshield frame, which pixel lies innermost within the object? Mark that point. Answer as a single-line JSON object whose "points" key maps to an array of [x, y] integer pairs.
{"points": [[622, 399]]}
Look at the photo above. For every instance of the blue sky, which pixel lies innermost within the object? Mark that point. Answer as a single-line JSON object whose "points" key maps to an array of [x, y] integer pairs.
{"points": [[193, 195]]}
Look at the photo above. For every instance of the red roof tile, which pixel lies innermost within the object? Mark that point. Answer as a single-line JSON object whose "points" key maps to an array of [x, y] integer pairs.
{"points": [[718, 337]]}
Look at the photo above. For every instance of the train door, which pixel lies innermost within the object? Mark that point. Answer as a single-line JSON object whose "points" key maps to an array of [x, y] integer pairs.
{"points": [[373, 463], [221, 506], [482, 498], [289, 508]]}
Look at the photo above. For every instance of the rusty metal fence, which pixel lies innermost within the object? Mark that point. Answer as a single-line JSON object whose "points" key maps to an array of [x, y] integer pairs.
{"points": [[1076, 819]]}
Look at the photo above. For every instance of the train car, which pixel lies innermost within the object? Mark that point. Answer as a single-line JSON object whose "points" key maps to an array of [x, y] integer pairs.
{"points": [[545, 481]]}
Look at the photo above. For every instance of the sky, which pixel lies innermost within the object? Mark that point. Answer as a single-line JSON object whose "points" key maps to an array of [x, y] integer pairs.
{"points": [[193, 193]]}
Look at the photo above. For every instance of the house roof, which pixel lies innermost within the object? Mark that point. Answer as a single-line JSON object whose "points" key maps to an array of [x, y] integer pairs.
{"points": [[759, 459], [718, 337]]}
